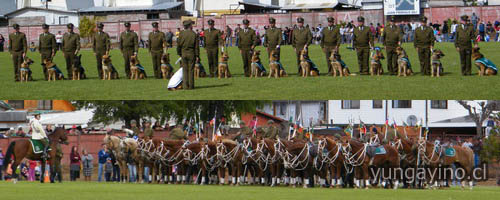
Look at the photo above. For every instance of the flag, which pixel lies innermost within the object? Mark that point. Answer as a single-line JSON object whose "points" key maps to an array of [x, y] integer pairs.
{"points": [[255, 127], [348, 130], [212, 122], [386, 122]]}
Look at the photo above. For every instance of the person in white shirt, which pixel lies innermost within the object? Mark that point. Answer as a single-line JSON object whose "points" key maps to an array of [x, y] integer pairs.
{"points": [[38, 133]]}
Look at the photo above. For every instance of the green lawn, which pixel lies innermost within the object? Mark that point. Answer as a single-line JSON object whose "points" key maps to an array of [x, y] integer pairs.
{"points": [[451, 86], [113, 191]]}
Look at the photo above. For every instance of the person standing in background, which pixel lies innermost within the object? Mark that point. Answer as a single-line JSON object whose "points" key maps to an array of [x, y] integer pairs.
{"points": [[59, 38], [18, 46], [101, 46], [108, 169], [129, 46], [103, 155], [74, 167], [87, 165], [1, 164], [31, 170], [116, 168], [70, 48]]}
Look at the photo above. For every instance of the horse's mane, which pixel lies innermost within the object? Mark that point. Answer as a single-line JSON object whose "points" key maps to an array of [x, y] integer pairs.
{"points": [[228, 141]]}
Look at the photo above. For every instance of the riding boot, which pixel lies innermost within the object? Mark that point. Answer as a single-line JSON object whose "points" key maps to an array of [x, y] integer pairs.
{"points": [[45, 156]]}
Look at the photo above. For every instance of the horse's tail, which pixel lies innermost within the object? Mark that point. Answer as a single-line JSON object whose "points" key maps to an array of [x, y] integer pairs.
{"points": [[10, 152]]}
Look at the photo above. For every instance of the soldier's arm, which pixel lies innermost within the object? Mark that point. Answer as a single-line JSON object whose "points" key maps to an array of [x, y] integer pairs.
{"points": [[457, 35], [294, 44], [164, 42], [54, 45], [179, 44], [432, 38], [196, 46], [255, 40], [309, 37], [77, 44], [239, 36], [383, 37], [415, 39], [400, 37], [266, 41], [472, 33], [219, 39], [354, 39], [136, 43], [39, 42], [280, 38], [10, 44], [338, 39]]}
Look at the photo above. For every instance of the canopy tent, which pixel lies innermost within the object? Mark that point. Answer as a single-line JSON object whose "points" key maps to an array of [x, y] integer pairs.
{"points": [[78, 118]]}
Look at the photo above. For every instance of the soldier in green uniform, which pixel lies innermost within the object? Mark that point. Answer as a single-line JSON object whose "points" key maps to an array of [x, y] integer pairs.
{"points": [[247, 42], [148, 131], [134, 128], [101, 46], [392, 37], [213, 38], [177, 133], [47, 46], [70, 47], [424, 41], [272, 38], [330, 41], [272, 131], [18, 46], [463, 44], [157, 43], [301, 38], [188, 49], [244, 132], [362, 42], [129, 46]]}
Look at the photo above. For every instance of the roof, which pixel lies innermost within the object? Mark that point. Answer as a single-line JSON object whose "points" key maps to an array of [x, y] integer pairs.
{"points": [[269, 116], [36, 8], [266, 6], [79, 4], [13, 116], [309, 6], [157, 7], [7, 7], [5, 106], [463, 121]]}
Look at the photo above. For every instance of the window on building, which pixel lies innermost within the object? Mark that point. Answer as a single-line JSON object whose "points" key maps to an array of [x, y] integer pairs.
{"points": [[45, 105], [377, 103], [350, 104], [63, 20], [153, 16], [17, 104], [439, 104], [401, 104]]}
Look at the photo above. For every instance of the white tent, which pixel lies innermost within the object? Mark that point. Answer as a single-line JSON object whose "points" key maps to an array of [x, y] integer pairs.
{"points": [[78, 118]]}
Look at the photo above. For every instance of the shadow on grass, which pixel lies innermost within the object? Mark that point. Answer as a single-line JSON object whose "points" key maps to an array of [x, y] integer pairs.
{"points": [[212, 86]]}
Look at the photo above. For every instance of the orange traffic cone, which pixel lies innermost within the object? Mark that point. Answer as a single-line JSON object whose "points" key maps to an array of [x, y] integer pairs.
{"points": [[46, 178]]}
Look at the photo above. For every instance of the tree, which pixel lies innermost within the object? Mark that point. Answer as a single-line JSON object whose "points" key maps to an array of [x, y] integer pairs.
{"points": [[87, 28], [479, 115], [111, 111]]}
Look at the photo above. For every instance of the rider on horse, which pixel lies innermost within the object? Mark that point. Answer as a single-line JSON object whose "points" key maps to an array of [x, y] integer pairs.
{"points": [[39, 134], [177, 133], [272, 131]]}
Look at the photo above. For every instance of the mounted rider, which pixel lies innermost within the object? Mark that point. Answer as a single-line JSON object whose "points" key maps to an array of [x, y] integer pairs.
{"points": [[244, 132], [148, 131], [177, 133], [134, 128], [38, 133], [272, 130]]}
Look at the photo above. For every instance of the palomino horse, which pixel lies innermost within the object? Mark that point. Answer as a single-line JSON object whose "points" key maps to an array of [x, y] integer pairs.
{"points": [[123, 149], [329, 158], [298, 159], [355, 158], [22, 148]]}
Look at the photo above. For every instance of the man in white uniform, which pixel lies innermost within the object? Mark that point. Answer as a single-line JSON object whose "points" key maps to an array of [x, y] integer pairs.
{"points": [[38, 133]]}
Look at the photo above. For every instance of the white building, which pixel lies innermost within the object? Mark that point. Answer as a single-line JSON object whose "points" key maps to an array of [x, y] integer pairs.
{"points": [[310, 112]]}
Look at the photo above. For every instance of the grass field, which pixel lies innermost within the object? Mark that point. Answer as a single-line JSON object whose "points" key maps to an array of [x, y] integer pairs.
{"points": [[113, 191], [451, 86]]}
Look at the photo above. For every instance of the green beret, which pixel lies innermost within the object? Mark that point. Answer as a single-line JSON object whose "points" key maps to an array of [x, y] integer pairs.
{"points": [[127, 24], [211, 22], [272, 20], [187, 22], [16, 26], [330, 19], [154, 24], [100, 25], [45, 26], [70, 25], [423, 19], [300, 20], [361, 19], [246, 21]]}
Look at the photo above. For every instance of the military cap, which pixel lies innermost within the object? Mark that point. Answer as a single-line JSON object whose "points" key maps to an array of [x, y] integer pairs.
{"points": [[330, 19], [464, 18], [423, 19], [300, 20], [246, 21], [211, 22], [133, 121], [361, 19], [392, 18], [70, 25], [45, 26], [127, 24], [272, 20], [100, 25], [154, 24], [15, 25], [187, 22], [270, 121]]}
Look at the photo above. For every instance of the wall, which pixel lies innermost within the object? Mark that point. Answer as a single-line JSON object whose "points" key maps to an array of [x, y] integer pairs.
{"points": [[51, 18]]}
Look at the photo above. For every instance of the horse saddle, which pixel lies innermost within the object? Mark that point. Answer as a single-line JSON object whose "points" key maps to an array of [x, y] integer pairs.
{"points": [[37, 146], [375, 150], [450, 151]]}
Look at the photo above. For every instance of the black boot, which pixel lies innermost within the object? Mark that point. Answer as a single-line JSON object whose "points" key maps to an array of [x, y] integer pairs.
{"points": [[45, 156]]}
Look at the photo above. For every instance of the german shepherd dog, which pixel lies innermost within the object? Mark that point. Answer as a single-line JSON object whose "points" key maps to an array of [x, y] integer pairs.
{"points": [[135, 69], [255, 71], [78, 70], [483, 69], [53, 71], [166, 69], [403, 63], [223, 68], [108, 70], [274, 67], [336, 62], [437, 66], [199, 72], [376, 62], [25, 69], [304, 65]]}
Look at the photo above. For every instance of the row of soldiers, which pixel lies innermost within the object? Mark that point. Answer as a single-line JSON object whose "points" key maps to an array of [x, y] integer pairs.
{"points": [[188, 48]]}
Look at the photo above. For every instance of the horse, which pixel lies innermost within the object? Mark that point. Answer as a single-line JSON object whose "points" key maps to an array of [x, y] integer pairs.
{"points": [[254, 159], [123, 149], [355, 156], [230, 154], [171, 154], [146, 151], [271, 151], [407, 150], [388, 161], [298, 159], [330, 159], [22, 148], [462, 158]]}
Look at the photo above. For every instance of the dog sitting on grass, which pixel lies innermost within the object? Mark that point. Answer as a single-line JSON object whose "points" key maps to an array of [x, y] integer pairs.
{"points": [[108, 70], [376, 62], [166, 68], [338, 65], [137, 71], [199, 70], [486, 67], [437, 66], [404, 66], [78, 70], [25, 71], [223, 68], [54, 73]]}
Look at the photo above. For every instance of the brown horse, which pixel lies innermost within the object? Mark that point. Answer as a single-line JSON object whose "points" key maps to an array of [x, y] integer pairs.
{"points": [[389, 162], [271, 152], [464, 159], [230, 154], [254, 159], [146, 157], [171, 152], [330, 158], [356, 159], [22, 148], [298, 159]]}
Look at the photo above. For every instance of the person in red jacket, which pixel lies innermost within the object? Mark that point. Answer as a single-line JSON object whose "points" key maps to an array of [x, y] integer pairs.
{"points": [[74, 167]]}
